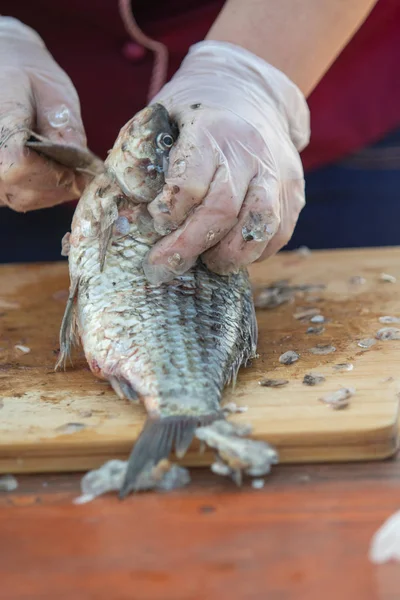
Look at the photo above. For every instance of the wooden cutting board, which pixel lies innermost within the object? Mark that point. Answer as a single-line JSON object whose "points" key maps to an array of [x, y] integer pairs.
{"points": [[72, 421]]}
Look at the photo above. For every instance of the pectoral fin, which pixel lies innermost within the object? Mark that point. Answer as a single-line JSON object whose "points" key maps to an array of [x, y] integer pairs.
{"points": [[68, 328]]}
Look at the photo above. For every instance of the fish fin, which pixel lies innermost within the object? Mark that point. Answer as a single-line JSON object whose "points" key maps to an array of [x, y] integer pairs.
{"points": [[156, 441], [68, 155], [250, 349], [123, 389], [104, 243], [234, 370], [68, 328], [184, 437], [253, 337]]}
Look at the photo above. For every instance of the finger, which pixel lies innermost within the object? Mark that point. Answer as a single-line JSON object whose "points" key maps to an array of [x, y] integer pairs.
{"points": [[292, 201], [192, 165], [16, 100], [204, 228], [24, 188], [58, 115], [257, 224], [32, 183]]}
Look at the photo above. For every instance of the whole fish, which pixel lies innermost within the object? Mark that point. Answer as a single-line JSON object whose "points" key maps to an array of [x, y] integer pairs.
{"points": [[173, 346]]}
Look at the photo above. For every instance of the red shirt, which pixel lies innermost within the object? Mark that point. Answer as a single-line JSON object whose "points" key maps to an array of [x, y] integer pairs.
{"points": [[357, 101]]}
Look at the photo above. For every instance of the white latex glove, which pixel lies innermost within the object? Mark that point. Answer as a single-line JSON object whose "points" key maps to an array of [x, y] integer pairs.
{"points": [[35, 93], [234, 187]]}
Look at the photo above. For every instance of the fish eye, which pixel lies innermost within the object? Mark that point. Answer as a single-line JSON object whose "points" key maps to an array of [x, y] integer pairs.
{"points": [[165, 141]]}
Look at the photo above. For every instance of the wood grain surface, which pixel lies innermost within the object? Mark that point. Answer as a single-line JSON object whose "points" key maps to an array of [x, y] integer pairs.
{"points": [[38, 406], [304, 536]]}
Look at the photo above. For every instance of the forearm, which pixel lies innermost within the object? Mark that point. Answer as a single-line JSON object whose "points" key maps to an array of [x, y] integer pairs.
{"points": [[302, 38]]}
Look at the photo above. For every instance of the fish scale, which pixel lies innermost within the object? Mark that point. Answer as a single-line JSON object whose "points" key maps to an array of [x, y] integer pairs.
{"points": [[173, 346], [178, 346]]}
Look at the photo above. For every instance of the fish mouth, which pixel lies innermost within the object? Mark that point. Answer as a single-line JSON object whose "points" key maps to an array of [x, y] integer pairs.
{"points": [[159, 117]]}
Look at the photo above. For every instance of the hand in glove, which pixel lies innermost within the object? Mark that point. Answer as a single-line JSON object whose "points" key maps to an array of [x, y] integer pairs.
{"points": [[234, 187], [35, 93]]}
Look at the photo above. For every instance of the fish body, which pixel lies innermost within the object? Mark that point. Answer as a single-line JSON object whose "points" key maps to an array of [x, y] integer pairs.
{"points": [[174, 346]]}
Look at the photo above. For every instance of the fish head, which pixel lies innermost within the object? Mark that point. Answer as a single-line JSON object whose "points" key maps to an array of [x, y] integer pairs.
{"points": [[139, 159]]}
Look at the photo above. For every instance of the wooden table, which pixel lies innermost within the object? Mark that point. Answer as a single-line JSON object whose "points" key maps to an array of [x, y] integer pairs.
{"points": [[305, 536]]}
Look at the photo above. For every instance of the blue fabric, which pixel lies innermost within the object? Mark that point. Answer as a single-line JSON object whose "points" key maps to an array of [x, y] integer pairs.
{"points": [[355, 203], [34, 236]]}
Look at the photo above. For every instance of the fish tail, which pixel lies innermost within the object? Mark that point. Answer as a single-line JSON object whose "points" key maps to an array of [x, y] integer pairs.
{"points": [[156, 441]]}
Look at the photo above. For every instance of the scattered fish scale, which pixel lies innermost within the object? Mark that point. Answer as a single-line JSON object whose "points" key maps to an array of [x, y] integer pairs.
{"points": [[23, 349], [281, 292], [232, 408], [220, 468], [309, 287], [339, 399], [70, 428], [258, 484], [110, 477], [313, 299], [8, 305], [323, 349], [357, 280], [303, 251], [388, 319], [8, 483], [289, 357], [273, 382], [237, 455], [273, 297], [385, 544], [366, 343], [313, 379], [388, 333], [315, 330], [343, 367], [306, 313], [318, 319], [386, 277]]}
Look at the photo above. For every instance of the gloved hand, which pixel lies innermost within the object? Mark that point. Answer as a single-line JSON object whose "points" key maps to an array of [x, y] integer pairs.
{"points": [[34, 94], [234, 187]]}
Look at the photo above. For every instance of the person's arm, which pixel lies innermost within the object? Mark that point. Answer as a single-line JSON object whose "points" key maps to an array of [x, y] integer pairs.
{"points": [[301, 38]]}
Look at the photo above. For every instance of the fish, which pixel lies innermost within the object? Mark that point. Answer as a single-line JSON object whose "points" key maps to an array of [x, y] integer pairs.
{"points": [[173, 347]]}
